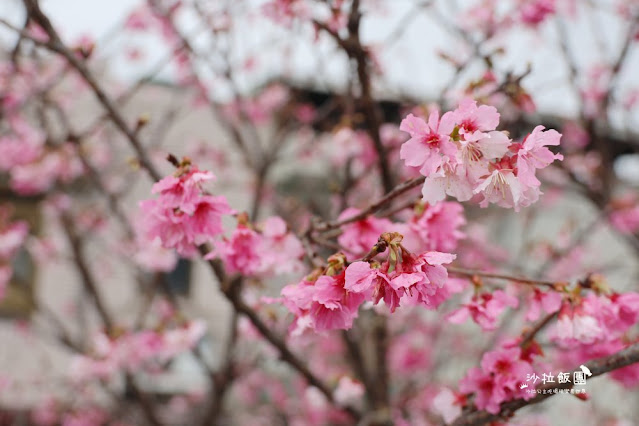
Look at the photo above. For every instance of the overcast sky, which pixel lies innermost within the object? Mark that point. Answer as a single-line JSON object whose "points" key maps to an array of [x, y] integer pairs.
{"points": [[76, 17], [411, 66]]}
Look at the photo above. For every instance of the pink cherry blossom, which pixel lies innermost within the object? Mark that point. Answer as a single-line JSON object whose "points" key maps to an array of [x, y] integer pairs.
{"points": [[548, 301], [625, 308], [498, 380], [449, 180], [534, 154], [534, 12], [436, 228], [360, 277], [139, 19], [507, 366], [298, 297], [410, 352], [15, 151], [449, 404], [575, 325], [240, 252], [462, 155], [360, 236], [471, 118], [488, 394], [131, 351], [501, 187], [273, 251], [484, 309], [478, 148], [183, 216], [429, 145], [333, 306], [426, 280]]}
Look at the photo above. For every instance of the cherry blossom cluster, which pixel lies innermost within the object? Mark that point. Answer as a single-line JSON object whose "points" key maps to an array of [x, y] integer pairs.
{"points": [[132, 351], [462, 155], [330, 298], [427, 227], [592, 322], [597, 324], [12, 236], [184, 216], [32, 166], [263, 250], [500, 377]]}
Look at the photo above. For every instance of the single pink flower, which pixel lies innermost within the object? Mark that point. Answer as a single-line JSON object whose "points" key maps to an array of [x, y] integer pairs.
{"points": [[471, 118], [449, 180], [240, 253], [429, 145], [501, 187], [576, 326], [484, 309], [549, 301], [333, 306], [360, 277], [533, 154]]}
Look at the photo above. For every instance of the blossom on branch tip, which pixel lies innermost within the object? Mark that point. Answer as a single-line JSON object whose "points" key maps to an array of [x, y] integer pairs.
{"points": [[533, 154], [184, 216], [499, 379], [548, 301], [332, 299], [250, 252], [484, 309], [463, 156]]}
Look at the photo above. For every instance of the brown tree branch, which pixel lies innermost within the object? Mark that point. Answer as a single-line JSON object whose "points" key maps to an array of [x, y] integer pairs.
{"points": [[375, 207], [472, 273], [55, 44]]}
